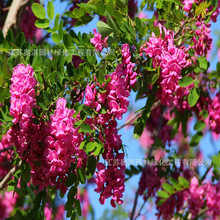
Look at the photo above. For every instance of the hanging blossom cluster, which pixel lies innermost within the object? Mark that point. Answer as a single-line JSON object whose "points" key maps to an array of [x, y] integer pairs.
{"points": [[214, 114], [61, 144], [205, 194], [50, 164], [195, 198], [150, 181], [5, 155], [171, 60], [202, 40], [114, 96], [27, 24], [7, 203]]}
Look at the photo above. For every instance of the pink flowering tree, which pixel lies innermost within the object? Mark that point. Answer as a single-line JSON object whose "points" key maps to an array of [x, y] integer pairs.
{"points": [[62, 94]]}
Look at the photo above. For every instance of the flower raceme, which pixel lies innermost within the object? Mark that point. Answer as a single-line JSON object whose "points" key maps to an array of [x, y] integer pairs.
{"points": [[171, 60]]}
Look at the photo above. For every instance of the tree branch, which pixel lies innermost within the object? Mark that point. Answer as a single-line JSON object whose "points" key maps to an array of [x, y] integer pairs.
{"points": [[6, 149], [11, 18], [156, 104], [9, 175]]}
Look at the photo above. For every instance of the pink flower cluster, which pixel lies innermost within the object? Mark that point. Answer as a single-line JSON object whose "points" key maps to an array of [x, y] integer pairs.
{"points": [[61, 143], [196, 197], [7, 203], [5, 156], [150, 181], [22, 93], [27, 23], [207, 193], [97, 41], [171, 60], [201, 38], [130, 75], [110, 180], [118, 89], [214, 114], [50, 164]]}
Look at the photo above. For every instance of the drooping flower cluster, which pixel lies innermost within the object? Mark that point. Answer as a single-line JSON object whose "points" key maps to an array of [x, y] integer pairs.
{"points": [[22, 93], [27, 23], [214, 114], [202, 40], [196, 197], [61, 143], [7, 203], [171, 60], [110, 179], [150, 181], [61, 140], [5, 155], [97, 41]]}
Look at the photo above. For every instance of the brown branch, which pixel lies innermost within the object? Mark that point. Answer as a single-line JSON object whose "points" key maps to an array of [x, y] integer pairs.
{"points": [[11, 18], [156, 104], [6, 149], [9, 175], [204, 176]]}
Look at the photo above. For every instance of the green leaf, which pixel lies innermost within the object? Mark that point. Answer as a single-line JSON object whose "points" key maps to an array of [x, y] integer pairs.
{"points": [[1, 37], [56, 38], [42, 23], [183, 182], [175, 184], [81, 176], [91, 166], [60, 30], [85, 128], [71, 179], [56, 22], [199, 126], [193, 97], [99, 149], [168, 188], [203, 63], [78, 207], [196, 139], [161, 201], [67, 40], [20, 39], [163, 194], [186, 81], [154, 78], [26, 171], [104, 29], [38, 10], [50, 10], [90, 146]]}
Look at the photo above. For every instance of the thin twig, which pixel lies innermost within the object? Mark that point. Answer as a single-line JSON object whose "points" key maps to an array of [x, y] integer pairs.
{"points": [[139, 213], [9, 175], [204, 176], [156, 104], [6, 149]]}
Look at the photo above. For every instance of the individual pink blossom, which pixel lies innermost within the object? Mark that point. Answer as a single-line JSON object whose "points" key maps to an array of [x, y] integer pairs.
{"points": [[188, 5], [97, 41]]}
